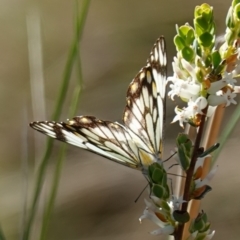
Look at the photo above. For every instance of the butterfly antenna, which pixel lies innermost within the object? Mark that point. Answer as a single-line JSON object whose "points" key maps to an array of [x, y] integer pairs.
{"points": [[170, 157], [141, 193], [177, 175], [175, 164]]}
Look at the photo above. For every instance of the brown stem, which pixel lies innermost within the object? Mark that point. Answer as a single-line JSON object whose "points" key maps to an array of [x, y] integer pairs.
{"points": [[186, 195]]}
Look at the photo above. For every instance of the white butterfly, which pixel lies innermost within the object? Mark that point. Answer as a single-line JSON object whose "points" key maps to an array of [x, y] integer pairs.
{"points": [[138, 142]]}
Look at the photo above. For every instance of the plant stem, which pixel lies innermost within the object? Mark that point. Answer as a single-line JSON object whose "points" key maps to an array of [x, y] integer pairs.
{"points": [[80, 19], [186, 194], [59, 104]]}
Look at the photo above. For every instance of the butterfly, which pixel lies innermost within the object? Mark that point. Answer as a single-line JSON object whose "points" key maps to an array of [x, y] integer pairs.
{"points": [[138, 142]]}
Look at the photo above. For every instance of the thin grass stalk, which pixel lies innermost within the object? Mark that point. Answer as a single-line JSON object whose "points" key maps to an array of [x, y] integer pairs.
{"points": [[2, 237], [226, 131], [61, 97], [73, 109]]}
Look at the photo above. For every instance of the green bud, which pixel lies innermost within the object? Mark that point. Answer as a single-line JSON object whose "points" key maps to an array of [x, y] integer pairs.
{"points": [[188, 53], [183, 138], [181, 216], [167, 192], [186, 32], [179, 43], [236, 12], [206, 40], [158, 190], [199, 224], [229, 19], [199, 75], [230, 36], [190, 36], [204, 10], [235, 2], [216, 59], [157, 176], [183, 157], [201, 25], [152, 167], [165, 206], [184, 145]]}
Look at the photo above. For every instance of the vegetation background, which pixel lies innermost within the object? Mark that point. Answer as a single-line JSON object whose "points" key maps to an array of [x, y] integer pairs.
{"points": [[96, 197]]}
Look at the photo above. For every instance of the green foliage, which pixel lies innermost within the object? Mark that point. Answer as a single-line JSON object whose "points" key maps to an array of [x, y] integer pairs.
{"points": [[201, 225], [181, 216], [184, 146], [158, 181]]}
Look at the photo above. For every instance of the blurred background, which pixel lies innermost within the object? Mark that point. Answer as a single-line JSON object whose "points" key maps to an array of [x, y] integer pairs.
{"points": [[96, 197]]}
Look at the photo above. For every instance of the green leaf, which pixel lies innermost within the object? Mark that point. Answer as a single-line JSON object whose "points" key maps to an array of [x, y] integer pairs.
{"points": [[183, 157], [206, 39], [183, 31], [158, 190], [202, 24], [188, 53], [167, 192], [157, 176], [235, 2], [190, 37], [229, 19], [179, 43], [181, 138], [210, 150], [165, 206], [181, 216], [216, 59], [236, 11], [199, 224]]}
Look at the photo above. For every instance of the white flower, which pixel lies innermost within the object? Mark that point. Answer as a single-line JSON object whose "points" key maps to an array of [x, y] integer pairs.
{"points": [[215, 100], [228, 77], [149, 213], [177, 202], [199, 183], [185, 89], [200, 162], [190, 69], [176, 69], [197, 105], [216, 86], [229, 97], [181, 115]]}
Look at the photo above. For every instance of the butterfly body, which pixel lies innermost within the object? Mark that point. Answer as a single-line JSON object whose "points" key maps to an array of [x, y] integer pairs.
{"points": [[137, 142]]}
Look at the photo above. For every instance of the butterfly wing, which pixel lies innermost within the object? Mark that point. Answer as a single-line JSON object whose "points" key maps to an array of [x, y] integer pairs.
{"points": [[145, 110], [143, 119], [105, 138]]}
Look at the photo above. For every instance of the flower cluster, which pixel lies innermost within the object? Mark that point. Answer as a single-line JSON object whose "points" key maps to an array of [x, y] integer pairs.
{"points": [[162, 209], [204, 76], [184, 152], [200, 228]]}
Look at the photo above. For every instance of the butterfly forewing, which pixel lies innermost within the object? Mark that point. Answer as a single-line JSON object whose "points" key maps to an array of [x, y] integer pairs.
{"points": [[144, 112], [137, 142]]}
